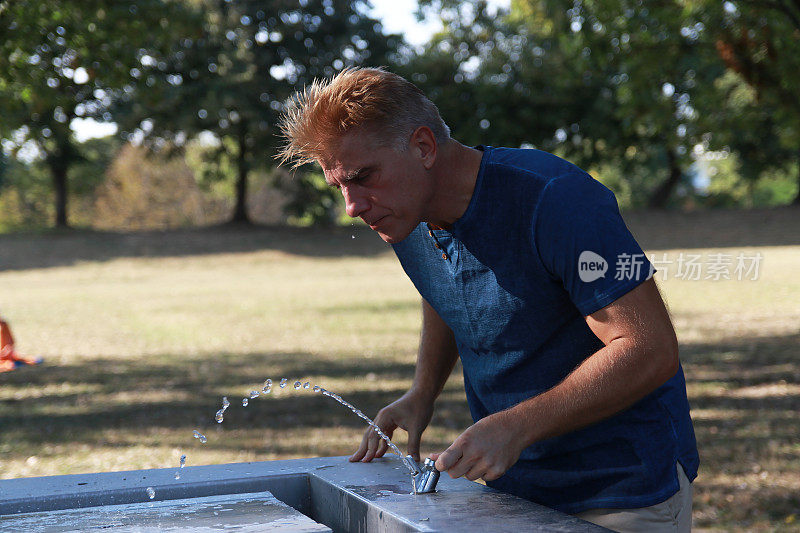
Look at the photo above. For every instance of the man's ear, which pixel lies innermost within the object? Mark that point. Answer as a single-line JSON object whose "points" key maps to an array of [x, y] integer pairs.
{"points": [[424, 144]]}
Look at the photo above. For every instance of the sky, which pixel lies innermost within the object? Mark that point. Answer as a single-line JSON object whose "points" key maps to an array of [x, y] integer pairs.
{"points": [[397, 16]]}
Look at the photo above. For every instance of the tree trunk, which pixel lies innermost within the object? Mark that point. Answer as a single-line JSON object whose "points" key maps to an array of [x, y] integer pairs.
{"points": [[59, 172], [240, 212], [796, 200], [660, 197]]}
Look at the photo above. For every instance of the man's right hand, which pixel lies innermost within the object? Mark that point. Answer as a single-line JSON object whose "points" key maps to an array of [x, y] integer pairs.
{"points": [[410, 412]]}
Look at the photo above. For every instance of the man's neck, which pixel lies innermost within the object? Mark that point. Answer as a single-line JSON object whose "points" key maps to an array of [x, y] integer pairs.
{"points": [[455, 173]]}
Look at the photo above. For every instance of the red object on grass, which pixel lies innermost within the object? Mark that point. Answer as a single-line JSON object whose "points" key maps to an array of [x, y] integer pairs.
{"points": [[9, 358]]}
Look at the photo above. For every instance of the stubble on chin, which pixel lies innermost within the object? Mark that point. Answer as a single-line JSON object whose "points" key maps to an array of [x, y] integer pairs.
{"points": [[394, 237]]}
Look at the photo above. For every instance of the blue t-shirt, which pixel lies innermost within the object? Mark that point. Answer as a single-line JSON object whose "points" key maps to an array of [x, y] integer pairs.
{"points": [[540, 246]]}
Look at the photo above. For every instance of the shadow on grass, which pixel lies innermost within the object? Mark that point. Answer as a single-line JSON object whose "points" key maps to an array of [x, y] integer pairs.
{"points": [[134, 397], [716, 228], [117, 391], [744, 395], [745, 403], [655, 230], [64, 248]]}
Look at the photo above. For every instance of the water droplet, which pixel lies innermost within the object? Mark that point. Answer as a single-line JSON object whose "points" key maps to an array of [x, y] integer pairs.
{"points": [[254, 394], [283, 382], [267, 386], [316, 388], [353, 236], [183, 460], [306, 385], [178, 474], [200, 436], [225, 402], [220, 416], [297, 385], [245, 401], [151, 493]]}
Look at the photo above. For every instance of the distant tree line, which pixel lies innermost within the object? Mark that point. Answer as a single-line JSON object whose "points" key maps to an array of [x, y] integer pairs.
{"points": [[657, 99]]}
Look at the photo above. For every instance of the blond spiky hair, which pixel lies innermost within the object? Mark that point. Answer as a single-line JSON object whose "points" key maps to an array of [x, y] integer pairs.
{"points": [[386, 104]]}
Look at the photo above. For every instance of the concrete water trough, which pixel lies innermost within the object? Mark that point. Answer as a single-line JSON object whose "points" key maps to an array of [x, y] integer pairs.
{"points": [[320, 494]]}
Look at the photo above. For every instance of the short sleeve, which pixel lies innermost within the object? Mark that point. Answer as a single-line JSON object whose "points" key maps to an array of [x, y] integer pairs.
{"points": [[582, 241]]}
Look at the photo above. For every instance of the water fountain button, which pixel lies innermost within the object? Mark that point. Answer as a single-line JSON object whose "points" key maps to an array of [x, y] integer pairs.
{"points": [[427, 479]]}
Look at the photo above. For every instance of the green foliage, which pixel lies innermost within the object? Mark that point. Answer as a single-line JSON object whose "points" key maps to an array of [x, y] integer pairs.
{"points": [[729, 187], [612, 85], [89, 171], [60, 60], [4, 163], [595, 81], [625, 90], [211, 163], [26, 191], [231, 74], [486, 74], [760, 41], [26, 196], [777, 187], [312, 202]]}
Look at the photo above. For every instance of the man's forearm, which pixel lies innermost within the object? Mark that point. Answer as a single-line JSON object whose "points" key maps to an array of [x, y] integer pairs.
{"points": [[640, 353], [436, 357], [609, 381]]}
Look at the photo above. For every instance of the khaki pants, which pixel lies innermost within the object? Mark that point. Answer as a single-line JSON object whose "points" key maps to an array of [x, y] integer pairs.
{"points": [[673, 515]]}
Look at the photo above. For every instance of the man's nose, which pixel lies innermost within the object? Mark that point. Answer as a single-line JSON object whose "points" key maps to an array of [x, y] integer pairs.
{"points": [[355, 203]]}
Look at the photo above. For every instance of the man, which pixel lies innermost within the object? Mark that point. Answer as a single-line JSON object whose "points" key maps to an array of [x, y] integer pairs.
{"points": [[571, 373]]}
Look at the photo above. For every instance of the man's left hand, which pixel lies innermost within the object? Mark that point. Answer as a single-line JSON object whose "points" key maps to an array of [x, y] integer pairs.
{"points": [[485, 450]]}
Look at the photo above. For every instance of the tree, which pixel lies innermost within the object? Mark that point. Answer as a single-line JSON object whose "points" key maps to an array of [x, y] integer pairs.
{"points": [[759, 43], [59, 60], [653, 72], [233, 76], [598, 81], [488, 72], [25, 195]]}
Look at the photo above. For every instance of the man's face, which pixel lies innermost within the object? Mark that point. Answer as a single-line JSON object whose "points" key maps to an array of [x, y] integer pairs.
{"points": [[387, 189]]}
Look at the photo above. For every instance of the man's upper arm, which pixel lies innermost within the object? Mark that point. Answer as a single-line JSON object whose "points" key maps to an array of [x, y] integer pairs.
{"points": [[583, 242], [433, 324], [641, 319]]}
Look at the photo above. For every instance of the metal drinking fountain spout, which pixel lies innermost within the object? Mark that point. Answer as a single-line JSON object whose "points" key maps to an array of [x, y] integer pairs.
{"points": [[411, 464], [425, 481]]}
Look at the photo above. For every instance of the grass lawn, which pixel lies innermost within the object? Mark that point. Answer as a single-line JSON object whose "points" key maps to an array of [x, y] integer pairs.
{"points": [[143, 334]]}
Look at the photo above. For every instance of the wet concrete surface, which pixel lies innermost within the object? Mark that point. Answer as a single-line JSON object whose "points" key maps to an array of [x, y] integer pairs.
{"points": [[330, 492], [230, 512]]}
